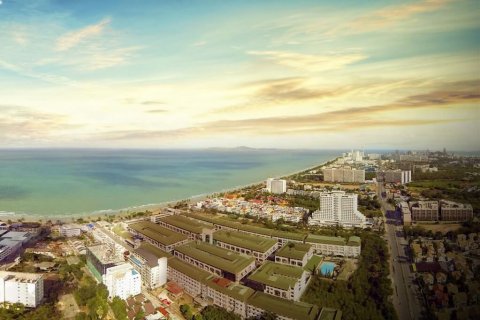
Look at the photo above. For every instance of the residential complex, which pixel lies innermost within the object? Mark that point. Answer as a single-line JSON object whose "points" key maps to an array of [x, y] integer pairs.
{"points": [[276, 185], [21, 287], [260, 248], [338, 208], [70, 230], [122, 281], [158, 236], [255, 208], [193, 229], [216, 260], [394, 176], [424, 210], [151, 263], [238, 298], [11, 242], [101, 257], [326, 245], [295, 254], [281, 280], [455, 211], [345, 174], [433, 210]]}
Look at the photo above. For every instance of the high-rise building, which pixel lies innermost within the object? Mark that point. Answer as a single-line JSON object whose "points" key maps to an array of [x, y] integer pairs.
{"points": [[338, 208], [276, 185], [21, 287], [122, 281]]}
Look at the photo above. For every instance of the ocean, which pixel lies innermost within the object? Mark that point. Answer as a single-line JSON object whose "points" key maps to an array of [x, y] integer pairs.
{"points": [[62, 183]]}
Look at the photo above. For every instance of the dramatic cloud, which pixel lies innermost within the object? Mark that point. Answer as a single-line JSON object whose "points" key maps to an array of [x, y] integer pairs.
{"points": [[74, 38], [308, 62]]}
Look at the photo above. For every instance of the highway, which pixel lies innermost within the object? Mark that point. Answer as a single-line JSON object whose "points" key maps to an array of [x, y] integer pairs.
{"points": [[405, 293]]}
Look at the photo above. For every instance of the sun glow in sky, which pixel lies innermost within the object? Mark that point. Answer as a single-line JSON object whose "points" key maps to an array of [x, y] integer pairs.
{"points": [[289, 74]]}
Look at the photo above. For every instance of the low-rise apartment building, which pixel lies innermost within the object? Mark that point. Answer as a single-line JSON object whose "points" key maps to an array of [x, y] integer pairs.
{"points": [[295, 254], [280, 280], [158, 236], [260, 248], [21, 287], [216, 260], [151, 263], [424, 210], [455, 211]]}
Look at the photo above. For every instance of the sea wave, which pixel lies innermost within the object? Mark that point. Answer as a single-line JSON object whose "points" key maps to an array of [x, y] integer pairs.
{"points": [[7, 213]]}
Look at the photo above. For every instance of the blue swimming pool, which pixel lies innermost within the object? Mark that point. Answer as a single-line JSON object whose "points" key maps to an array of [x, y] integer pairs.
{"points": [[326, 268]]}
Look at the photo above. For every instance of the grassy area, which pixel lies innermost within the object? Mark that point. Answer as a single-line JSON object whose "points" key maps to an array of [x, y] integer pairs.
{"points": [[118, 230]]}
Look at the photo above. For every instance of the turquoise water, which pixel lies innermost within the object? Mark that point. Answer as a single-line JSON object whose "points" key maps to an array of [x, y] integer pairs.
{"points": [[60, 182], [327, 268]]}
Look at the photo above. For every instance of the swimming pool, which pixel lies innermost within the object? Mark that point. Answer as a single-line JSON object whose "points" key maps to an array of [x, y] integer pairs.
{"points": [[326, 268]]}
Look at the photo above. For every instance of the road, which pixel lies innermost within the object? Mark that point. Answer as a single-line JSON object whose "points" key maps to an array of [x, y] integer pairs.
{"points": [[405, 292]]}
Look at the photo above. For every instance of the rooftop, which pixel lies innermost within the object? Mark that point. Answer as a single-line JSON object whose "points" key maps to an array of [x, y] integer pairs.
{"points": [[313, 238], [231, 289], [291, 309], [354, 241], [330, 314], [188, 269], [243, 240], [105, 254], [23, 277], [158, 233], [220, 258], [294, 250], [277, 275], [185, 223], [151, 253]]}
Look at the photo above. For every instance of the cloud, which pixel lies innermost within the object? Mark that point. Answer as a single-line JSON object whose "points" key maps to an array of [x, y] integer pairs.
{"points": [[152, 102], [388, 16], [157, 111], [199, 43], [46, 77], [339, 120], [72, 39], [308, 62], [22, 123]]}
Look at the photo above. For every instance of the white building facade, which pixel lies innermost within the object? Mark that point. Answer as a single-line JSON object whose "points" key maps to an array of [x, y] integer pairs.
{"points": [[338, 208], [276, 185], [21, 287], [122, 281]]}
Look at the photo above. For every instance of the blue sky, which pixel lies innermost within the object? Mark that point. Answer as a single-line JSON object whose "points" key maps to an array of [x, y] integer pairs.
{"points": [[290, 74]]}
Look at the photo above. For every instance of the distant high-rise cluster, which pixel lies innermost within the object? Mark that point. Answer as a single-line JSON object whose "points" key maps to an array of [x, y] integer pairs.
{"points": [[338, 208]]}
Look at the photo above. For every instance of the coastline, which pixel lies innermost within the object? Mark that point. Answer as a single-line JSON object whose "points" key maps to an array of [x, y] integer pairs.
{"points": [[154, 207]]}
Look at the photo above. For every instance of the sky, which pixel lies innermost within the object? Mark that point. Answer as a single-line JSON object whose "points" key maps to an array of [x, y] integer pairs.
{"points": [[276, 74]]}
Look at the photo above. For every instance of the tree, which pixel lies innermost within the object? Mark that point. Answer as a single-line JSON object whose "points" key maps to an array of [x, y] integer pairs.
{"points": [[119, 308]]}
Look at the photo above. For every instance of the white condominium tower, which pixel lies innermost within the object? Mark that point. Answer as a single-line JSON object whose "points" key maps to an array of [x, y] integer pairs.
{"points": [[21, 287], [122, 281], [338, 208], [276, 185]]}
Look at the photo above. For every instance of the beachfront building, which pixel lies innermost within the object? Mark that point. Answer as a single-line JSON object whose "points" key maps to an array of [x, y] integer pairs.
{"points": [[122, 281], [193, 229], [11, 242], [216, 260], [455, 211], [280, 280], [260, 248], [345, 175], [151, 263], [158, 236], [276, 185], [424, 210], [338, 208], [21, 287], [70, 230], [295, 254]]}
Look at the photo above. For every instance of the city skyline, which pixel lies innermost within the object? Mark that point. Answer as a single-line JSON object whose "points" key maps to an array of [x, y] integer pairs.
{"points": [[303, 74]]}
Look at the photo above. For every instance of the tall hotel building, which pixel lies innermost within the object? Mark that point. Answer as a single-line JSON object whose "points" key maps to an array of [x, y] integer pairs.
{"points": [[276, 185], [338, 208]]}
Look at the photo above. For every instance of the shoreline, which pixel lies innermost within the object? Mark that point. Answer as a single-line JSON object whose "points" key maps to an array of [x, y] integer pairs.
{"points": [[154, 207]]}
